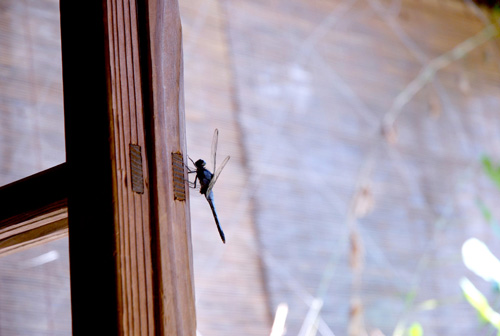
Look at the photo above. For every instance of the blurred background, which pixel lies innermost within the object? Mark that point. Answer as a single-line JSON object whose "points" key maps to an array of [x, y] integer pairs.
{"points": [[364, 138], [359, 132]]}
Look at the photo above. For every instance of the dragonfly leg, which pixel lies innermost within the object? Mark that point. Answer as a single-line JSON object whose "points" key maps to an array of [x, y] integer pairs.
{"points": [[191, 161], [193, 184], [191, 171]]}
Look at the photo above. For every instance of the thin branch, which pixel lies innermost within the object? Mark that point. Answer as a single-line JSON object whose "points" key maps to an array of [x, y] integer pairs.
{"points": [[428, 72]]}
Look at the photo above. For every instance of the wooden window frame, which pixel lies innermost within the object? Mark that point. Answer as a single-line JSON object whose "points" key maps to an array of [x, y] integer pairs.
{"points": [[122, 192], [34, 210]]}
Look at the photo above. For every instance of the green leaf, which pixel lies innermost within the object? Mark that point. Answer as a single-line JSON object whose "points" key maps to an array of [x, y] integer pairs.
{"points": [[485, 211], [480, 303], [488, 216], [496, 11], [415, 330], [410, 297], [491, 170]]}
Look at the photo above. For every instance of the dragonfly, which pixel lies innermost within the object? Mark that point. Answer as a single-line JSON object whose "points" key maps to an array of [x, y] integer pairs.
{"points": [[207, 179]]}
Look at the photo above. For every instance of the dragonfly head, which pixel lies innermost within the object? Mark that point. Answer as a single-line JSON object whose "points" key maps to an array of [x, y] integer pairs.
{"points": [[200, 163]]}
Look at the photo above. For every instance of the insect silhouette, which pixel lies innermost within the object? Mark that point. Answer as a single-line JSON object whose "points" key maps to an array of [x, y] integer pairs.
{"points": [[207, 179]]}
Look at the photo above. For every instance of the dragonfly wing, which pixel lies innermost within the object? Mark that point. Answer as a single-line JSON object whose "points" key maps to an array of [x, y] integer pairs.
{"points": [[216, 175], [214, 146]]}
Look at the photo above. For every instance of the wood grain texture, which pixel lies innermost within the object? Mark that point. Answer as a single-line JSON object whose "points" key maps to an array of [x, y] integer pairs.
{"points": [[132, 217], [33, 196], [156, 124], [35, 231], [34, 210], [173, 238], [137, 102]]}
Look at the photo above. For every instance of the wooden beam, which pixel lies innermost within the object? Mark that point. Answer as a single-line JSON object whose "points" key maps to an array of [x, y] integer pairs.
{"points": [[33, 210], [170, 206], [91, 219], [27, 198], [50, 225], [130, 247]]}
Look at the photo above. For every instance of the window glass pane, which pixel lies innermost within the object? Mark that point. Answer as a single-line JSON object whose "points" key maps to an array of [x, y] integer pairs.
{"points": [[31, 104], [35, 291]]}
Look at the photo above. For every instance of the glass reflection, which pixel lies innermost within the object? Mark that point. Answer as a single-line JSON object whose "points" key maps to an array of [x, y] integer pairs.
{"points": [[35, 291]]}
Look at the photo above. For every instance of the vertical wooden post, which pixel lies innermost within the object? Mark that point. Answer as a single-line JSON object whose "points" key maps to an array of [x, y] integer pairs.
{"points": [[128, 210], [174, 263], [167, 76]]}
